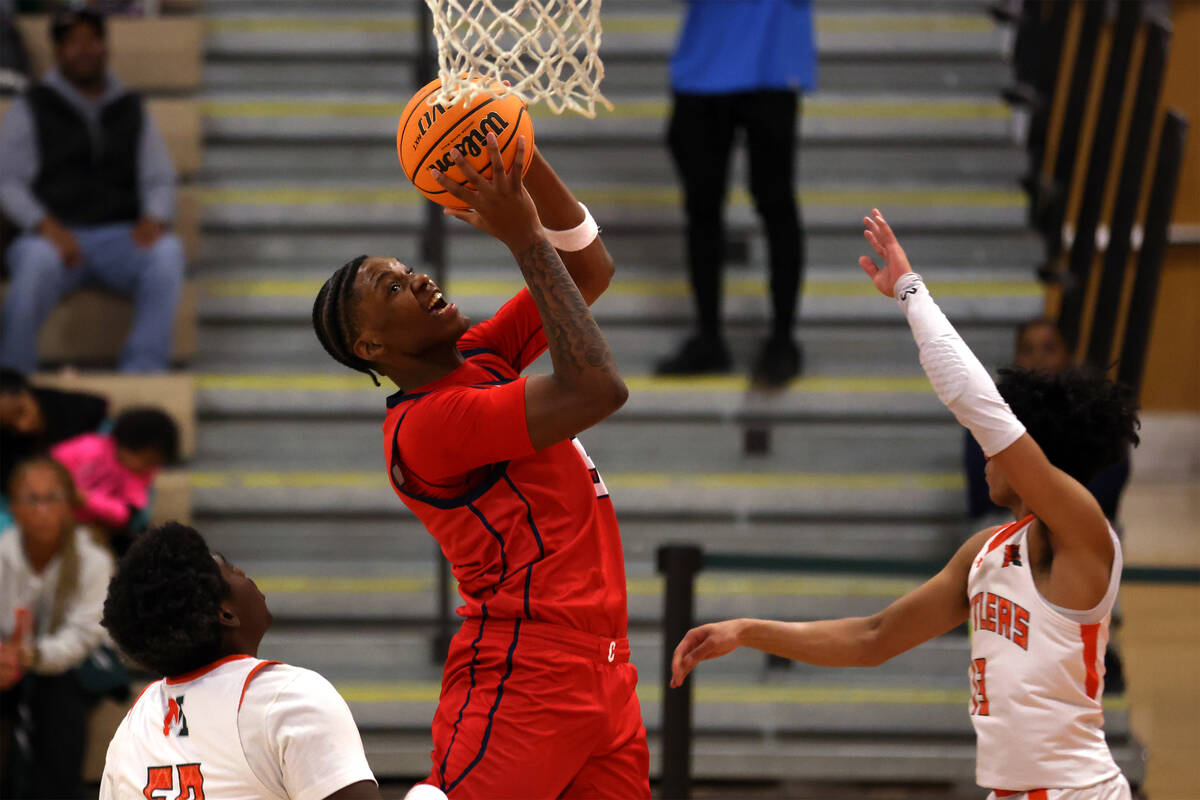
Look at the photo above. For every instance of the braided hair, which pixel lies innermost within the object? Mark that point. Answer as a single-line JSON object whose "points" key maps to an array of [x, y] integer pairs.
{"points": [[335, 318]]}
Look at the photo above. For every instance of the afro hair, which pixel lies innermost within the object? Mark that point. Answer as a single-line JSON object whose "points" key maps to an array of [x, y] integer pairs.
{"points": [[163, 602], [1082, 421]]}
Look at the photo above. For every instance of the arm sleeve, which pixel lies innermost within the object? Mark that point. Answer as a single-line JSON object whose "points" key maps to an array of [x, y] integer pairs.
{"points": [[80, 632], [465, 428], [156, 174], [305, 742], [515, 332], [18, 168]]}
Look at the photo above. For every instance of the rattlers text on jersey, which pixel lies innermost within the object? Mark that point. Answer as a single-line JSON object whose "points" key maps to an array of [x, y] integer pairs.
{"points": [[238, 729], [1037, 674]]}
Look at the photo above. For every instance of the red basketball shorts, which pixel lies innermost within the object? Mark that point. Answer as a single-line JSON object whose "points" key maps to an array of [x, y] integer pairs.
{"points": [[532, 710]]}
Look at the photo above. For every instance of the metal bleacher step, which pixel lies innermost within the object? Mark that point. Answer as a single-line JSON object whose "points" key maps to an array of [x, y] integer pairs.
{"points": [[867, 31], [388, 205], [644, 296], [700, 496], [623, 447], [285, 248], [362, 593], [238, 157], [366, 545], [861, 352], [827, 119]]}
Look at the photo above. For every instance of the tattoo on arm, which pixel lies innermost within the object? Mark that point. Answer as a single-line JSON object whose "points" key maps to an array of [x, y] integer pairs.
{"points": [[576, 345]]}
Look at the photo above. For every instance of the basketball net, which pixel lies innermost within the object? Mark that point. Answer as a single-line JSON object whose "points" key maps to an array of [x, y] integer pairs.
{"points": [[549, 50]]}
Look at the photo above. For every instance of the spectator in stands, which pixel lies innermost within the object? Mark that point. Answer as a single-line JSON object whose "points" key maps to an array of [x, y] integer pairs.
{"points": [[1040, 346], [85, 174], [33, 419], [739, 66], [53, 578], [115, 472]]}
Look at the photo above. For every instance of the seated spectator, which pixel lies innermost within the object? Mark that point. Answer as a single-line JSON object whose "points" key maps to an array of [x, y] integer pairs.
{"points": [[33, 419], [85, 174], [53, 578], [1040, 346], [115, 471]]}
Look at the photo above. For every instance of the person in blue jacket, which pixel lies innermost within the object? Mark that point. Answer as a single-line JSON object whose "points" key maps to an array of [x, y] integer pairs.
{"points": [[739, 67]]}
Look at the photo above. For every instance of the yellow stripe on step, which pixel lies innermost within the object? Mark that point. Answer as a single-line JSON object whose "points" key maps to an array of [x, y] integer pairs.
{"points": [[742, 481], [857, 199]]}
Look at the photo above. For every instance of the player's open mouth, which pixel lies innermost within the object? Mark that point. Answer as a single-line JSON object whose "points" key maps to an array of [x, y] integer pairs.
{"points": [[437, 304]]}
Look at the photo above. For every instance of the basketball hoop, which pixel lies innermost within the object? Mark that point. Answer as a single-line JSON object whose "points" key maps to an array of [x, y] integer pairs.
{"points": [[548, 50]]}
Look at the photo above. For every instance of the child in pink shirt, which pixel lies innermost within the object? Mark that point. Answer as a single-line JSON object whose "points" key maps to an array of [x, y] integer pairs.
{"points": [[114, 472]]}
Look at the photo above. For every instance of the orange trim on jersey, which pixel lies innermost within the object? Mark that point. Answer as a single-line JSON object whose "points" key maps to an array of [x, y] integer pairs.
{"points": [[1089, 634], [1034, 794], [196, 673], [257, 669], [1004, 534], [143, 692]]}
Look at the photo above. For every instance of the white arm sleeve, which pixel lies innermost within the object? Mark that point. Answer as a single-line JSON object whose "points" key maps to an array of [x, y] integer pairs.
{"points": [[298, 735], [960, 381]]}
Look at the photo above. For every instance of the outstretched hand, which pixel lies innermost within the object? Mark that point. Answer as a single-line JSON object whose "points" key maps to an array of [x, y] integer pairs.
{"points": [[499, 206], [895, 263], [701, 644]]}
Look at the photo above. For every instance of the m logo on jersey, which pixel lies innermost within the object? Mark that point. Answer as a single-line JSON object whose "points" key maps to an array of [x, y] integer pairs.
{"points": [[1012, 555], [175, 720]]}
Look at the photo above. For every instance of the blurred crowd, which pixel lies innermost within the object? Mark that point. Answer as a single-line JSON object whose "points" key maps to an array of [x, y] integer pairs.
{"points": [[87, 195]]}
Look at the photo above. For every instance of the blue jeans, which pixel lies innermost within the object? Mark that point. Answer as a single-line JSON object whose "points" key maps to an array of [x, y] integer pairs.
{"points": [[152, 277]]}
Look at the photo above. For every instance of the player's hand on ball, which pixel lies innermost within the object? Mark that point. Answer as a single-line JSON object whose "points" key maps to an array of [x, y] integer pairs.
{"points": [[701, 644], [499, 206], [895, 263]]}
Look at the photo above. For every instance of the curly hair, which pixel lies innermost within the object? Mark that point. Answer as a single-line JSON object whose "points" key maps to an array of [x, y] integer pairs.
{"points": [[1082, 421], [163, 602]]}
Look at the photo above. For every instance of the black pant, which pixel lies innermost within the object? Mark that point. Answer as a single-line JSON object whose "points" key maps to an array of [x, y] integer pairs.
{"points": [[50, 713], [701, 137]]}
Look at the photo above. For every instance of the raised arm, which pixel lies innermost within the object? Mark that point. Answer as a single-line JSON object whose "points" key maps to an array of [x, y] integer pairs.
{"points": [[585, 386], [592, 267], [936, 607], [1075, 523]]}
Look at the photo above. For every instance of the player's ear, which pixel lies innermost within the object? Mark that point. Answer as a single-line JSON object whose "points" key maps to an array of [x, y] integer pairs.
{"points": [[227, 616], [366, 348]]}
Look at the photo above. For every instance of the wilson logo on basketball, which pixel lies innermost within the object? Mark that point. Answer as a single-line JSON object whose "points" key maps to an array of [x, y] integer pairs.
{"points": [[426, 122], [474, 142]]}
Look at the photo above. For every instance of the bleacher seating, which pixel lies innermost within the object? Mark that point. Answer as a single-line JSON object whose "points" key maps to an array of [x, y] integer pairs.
{"points": [[162, 58]]}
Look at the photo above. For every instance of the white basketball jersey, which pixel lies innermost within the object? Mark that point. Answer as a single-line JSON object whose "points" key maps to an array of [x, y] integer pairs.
{"points": [[1037, 674], [180, 740]]}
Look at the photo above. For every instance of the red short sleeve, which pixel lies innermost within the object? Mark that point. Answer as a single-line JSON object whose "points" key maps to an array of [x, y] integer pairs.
{"points": [[515, 332], [462, 428]]}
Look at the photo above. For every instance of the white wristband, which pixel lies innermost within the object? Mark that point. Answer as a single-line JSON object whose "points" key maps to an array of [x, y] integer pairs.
{"points": [[576, 238], [960, 381]]}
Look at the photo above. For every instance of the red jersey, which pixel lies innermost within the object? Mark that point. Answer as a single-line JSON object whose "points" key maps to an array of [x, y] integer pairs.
{"points": [[529, 534]]}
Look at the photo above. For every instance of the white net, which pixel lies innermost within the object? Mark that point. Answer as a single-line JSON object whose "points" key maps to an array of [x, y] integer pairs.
{"points": [[548, 50]]}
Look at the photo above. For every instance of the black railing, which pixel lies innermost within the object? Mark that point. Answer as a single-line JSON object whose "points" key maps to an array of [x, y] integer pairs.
{"points": [[680, 563]]}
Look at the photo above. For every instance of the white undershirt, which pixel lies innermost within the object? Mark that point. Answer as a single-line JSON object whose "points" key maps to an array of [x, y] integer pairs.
{"points": [[298, 735]]}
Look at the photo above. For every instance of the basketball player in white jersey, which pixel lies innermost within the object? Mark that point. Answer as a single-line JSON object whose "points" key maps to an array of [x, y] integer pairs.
{"points": [[1038, 592], [221, 724]]}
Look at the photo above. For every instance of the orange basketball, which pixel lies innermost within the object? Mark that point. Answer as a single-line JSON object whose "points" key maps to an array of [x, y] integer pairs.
{"points": [[427, 134]]}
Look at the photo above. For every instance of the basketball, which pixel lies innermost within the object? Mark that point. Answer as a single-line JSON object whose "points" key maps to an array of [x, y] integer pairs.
{"points": [[427, 134]]}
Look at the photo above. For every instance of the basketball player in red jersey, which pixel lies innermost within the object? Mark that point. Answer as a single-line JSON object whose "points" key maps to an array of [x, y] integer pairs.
{"points": [[537, 693], [1038, 591]]}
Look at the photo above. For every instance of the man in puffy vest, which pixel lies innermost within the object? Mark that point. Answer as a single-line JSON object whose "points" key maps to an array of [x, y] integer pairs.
{"points": [[85, 174]]}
